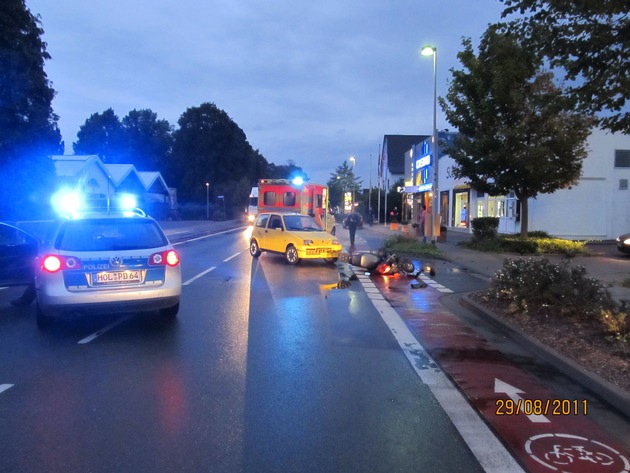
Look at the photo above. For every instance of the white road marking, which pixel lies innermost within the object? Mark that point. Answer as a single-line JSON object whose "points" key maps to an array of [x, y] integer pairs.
{"points": [[487, 448], [100, 332], [230, 257], [513, 393], [203, 273], [433, 284], [4, 387]]}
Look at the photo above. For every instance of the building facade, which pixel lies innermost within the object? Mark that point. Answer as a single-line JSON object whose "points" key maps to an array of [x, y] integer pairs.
{"points": [[596, 208]]}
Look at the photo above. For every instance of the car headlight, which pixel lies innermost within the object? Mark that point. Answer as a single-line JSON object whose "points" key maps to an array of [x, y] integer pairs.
{"points": [[335, 242], [626, 241], [307, 242]]}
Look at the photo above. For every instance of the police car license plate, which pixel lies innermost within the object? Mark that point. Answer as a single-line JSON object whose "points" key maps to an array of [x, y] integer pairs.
{"points": [[117, 277]]}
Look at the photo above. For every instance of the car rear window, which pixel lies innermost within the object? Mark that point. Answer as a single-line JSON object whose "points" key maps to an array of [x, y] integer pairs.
{"points": [[110, 235]]}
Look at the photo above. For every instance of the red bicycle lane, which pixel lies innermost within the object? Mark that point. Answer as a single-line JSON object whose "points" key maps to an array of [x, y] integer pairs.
{"points": [[543, 431]]}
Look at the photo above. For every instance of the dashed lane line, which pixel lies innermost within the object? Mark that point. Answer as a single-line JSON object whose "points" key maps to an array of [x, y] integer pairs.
{"points": [[203, 273], [4, 387]]}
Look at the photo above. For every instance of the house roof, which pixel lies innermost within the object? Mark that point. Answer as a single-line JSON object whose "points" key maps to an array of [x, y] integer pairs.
{"points": [[125, 175], [395, 147], [153, 182]]}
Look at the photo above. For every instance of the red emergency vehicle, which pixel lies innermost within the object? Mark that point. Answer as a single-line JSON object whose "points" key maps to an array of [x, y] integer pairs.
{"points": [[283, 195]]}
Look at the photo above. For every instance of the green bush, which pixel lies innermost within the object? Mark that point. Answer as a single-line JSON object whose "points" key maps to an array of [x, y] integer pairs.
{"points": [[409, 245], [538, 286], [485, 228], [518, 245], [538, 234], [528, 245]]}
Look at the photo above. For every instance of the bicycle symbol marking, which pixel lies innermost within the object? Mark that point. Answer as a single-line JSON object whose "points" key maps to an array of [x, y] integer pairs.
{"points": [[567, 455], [573, 454]]}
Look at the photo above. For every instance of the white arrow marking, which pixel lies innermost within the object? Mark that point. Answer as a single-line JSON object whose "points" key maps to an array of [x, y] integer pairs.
{"points": [[513, 393]]}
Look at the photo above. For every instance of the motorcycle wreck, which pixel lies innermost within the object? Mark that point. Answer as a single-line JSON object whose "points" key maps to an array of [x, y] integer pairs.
{"points": [[383, 263]]}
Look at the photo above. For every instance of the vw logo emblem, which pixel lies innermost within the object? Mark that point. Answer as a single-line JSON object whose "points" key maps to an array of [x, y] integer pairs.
{"points": [[115, 261]]}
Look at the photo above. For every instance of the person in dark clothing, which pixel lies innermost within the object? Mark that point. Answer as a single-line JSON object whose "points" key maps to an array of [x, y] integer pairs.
{"points": [[353, 223]]}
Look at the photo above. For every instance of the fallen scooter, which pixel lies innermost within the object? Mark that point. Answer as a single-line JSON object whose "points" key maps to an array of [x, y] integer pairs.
{"points": [[383, 263]]}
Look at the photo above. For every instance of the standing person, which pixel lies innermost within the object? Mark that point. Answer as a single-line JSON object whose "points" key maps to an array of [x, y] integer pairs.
{"points": [[353, 223], [422, 217]]}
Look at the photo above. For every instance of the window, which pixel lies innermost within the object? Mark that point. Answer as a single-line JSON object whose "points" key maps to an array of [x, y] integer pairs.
{"points": [[622, 158], [269, 198], [289, 199], [623, 184]]}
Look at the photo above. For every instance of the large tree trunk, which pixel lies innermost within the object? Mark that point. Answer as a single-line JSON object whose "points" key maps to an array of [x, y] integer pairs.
{"points": [[524, 216]]}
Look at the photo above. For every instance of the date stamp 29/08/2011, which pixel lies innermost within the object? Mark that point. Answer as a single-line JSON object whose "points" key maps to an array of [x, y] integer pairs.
{"points": [[553, 407]]}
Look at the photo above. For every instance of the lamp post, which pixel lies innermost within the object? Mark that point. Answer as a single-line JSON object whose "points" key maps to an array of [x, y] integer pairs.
{"points": [[432, 51], [207, 201], [353, 160]]}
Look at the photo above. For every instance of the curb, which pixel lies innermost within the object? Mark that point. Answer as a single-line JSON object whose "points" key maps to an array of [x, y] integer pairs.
{"points": [[605, 390]]}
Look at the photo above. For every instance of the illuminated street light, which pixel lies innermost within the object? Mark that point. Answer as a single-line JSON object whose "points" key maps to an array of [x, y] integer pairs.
{"points": [[432, 51]]}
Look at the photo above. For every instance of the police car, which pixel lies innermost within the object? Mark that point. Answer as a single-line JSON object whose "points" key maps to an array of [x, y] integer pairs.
{"points": [[112, 262]]}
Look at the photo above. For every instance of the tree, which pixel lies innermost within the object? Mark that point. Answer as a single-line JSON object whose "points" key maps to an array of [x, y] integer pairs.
{"points": [[148, 140], [341, 181], [590, 42], [517, 132], [284, 171], [209, 147], [28, 127], [102, 134]]}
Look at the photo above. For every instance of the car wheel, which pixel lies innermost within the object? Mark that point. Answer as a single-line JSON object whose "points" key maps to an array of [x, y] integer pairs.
{"points": [[43, 320], [254, 249], [331, 260], [292, 255], [170, 312]]}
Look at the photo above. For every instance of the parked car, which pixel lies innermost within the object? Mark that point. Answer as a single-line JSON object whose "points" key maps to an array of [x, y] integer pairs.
{"points": [[18, 250], [359, 225], [623, 243], [296, 236], [116, 262]]}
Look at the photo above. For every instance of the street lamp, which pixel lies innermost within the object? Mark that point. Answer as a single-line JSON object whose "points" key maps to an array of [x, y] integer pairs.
{"points": [[353, 160], [207, 201], [432, 51]]}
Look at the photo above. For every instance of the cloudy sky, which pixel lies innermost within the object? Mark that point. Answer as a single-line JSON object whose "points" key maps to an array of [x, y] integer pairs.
{"points": [[310, 81]]}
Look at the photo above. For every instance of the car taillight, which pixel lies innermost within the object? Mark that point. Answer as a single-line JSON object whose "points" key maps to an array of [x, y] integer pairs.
{"points": [[170, 257], [54, 263]]}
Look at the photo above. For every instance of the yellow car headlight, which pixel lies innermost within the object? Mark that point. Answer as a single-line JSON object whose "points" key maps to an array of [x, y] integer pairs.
{"points": [[307, 242], [335, 242]]}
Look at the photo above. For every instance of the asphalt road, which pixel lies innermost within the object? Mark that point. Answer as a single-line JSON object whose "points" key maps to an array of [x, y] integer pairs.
{"points": [[267, 369]]}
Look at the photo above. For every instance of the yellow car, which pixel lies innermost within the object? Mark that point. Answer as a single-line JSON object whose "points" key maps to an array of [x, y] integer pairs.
{"points": [[296, 236]]}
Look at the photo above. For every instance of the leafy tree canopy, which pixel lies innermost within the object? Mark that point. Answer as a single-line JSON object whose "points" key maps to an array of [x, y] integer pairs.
{"points": [[28, 127], [209, 147], [590, 42], [343, 180], [284, 171], [517, 132], [102, 134]]}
